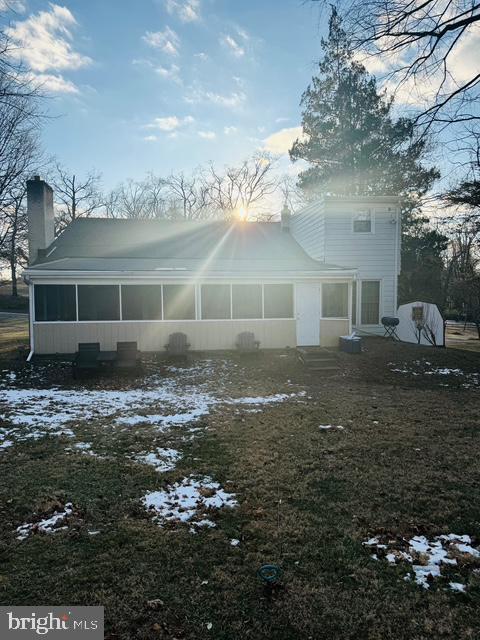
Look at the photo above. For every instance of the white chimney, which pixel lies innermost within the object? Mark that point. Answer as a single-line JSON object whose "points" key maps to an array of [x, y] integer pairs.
{"points": [[41, 230], [285, 218]]}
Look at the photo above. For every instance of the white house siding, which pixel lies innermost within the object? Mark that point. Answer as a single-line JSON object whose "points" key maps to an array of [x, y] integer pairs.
{"points": [[325, 231], [63, 337], [373, 254], [308, 229]]}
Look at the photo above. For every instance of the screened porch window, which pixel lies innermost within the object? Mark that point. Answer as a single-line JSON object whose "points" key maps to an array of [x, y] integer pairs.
{"points": [[98, 302], [247, 301], [142, 302], [55, 303], [178, 302], [335, 300], [216, 302], [370, 301], [278, 301]]}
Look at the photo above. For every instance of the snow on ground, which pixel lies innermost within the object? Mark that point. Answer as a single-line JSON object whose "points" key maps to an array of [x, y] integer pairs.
{"points": [[190, 500], [330, 426], [429, 559], [162, 459], [48, 525], [425, 368], [34, 413]]}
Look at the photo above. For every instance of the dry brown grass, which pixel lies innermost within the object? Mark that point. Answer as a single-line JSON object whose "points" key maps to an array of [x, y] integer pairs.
{"points": [[407, 462]]}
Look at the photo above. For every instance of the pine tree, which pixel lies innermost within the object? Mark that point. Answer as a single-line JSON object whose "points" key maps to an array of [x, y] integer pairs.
{"points": [[351, 141]]}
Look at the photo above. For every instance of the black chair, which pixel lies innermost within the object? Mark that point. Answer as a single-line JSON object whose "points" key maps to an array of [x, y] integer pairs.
{"points": [[178, 345], [390, 325], [86, 358], [128, 356], [246, 343]]}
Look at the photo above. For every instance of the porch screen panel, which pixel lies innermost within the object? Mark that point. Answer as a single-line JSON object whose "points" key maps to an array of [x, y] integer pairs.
{"points": [[55, 303], [216, 302], [178, 302], [142, 302], [354, 302], [370, 302], [335, 300], [98, 302], [278, 300], [247, 301]]}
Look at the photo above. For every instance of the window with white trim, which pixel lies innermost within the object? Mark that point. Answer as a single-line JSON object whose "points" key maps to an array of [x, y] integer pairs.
{"points": [[278, 300], [363, 221], [55, 303], [178, 302], [246, 301], [98, 302], [216, 302], [141, 302], [370, 302], [335, 300]]}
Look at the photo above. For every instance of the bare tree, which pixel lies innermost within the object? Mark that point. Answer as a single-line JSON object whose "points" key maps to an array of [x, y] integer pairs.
{"points": [[75, 196], [418, 44], [243, 189], [188, 196], [14, 248]]}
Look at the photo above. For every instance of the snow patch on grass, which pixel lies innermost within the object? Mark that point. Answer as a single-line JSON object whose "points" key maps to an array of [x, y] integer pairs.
{"points": [[331, 426], [429, 559], [162, 460], [189, 501], [48, 525], [181, 400]]}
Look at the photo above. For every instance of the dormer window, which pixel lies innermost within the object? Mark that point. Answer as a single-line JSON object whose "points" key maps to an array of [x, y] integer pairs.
{"points": [[363, 221]]}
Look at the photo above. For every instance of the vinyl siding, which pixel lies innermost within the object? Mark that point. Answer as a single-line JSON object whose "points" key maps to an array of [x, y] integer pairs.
{"points": [[60, 337], [308, 229], [373, 254]]}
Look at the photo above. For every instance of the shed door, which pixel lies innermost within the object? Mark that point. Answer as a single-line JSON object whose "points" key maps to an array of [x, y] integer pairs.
{"points": [[307, 308]]}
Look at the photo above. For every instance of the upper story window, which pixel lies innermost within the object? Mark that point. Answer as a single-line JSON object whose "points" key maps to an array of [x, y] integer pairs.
{"points": [[363, 221]]}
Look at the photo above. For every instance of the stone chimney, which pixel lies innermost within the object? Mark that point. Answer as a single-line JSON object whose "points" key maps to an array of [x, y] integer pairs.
{"points": [[285, 218], [41, 232]]}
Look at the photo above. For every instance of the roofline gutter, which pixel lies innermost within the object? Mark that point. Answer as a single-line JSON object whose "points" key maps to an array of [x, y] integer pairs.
{"points": [[186, 275]]}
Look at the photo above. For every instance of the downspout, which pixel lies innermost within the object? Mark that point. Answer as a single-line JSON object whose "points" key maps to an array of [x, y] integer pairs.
{"points": [[30, 319], [397, 251]]}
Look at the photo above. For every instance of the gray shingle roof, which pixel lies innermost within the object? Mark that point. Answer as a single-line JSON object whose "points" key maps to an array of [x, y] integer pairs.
{"points": [[99, 244]]}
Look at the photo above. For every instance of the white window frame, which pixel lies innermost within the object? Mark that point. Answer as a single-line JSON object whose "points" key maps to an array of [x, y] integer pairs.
{"points": [[359, 301], [372, 222], [198, 304], [349, 315]]}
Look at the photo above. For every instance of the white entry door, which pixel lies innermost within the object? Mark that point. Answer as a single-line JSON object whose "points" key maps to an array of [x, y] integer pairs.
{"points": [[307, 307]]}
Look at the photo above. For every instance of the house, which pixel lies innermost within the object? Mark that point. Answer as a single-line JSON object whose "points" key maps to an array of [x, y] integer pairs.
{"points": [[305, 280]]}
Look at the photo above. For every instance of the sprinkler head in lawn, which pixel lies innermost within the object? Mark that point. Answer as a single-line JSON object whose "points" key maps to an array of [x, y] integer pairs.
{"points": [[270, 574]]}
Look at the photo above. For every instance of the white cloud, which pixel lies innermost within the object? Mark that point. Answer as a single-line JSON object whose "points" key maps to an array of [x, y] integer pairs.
{"points": [[207, 135], [17, 6], [281, 141], [169, 123], [150, 138], [167, 40], [53, 83], [43, 40], [186, 10], [169, 73], [231, 101], [201, 55], [229, 130], [233, 46]]}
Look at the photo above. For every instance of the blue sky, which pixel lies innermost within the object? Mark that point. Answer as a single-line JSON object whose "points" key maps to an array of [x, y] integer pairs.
{"points": [[167, 85]]}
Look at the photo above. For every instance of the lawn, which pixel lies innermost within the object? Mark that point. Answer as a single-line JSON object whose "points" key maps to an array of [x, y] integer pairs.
{"points": [[269, 475]]}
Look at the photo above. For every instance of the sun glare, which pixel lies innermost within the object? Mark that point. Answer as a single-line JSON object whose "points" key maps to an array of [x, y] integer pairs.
{"points": [[242, 214]]}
